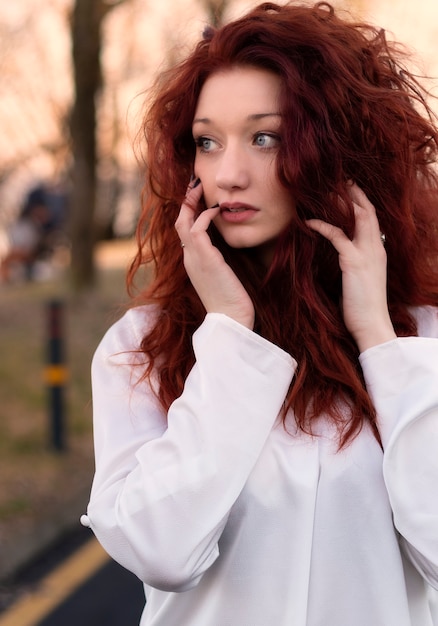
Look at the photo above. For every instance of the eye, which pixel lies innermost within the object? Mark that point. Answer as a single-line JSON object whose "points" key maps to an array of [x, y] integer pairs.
{"points": [[266, 140], [205, 144]]}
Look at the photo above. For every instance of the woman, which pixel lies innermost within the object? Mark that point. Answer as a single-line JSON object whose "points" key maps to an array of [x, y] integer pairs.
{"points": [[266, 417]]}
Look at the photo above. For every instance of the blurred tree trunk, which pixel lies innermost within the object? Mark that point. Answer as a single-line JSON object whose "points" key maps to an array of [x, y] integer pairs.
{"points": [[215, 11], [86, 43], [86, 37]]}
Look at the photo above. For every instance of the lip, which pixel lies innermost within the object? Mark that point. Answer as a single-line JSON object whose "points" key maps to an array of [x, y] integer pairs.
{"points": [[237, 212]]}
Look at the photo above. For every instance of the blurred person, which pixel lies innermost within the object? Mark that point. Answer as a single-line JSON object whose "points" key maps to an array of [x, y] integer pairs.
{"points": [[25, 237], [38, 231], [266, 413]]}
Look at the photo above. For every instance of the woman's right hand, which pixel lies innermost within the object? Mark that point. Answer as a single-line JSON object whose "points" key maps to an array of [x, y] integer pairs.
{"points": [[215, 282]]}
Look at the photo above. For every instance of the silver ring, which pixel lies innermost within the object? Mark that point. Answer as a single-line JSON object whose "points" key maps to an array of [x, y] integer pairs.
{"points": [[383, 238]]}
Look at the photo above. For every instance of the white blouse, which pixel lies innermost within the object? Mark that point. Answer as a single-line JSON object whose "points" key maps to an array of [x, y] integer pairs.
{"points": [[229, 520]]}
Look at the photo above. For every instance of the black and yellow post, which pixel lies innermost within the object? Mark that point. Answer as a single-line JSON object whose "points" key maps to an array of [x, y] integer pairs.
{"points": [[56, 374]]}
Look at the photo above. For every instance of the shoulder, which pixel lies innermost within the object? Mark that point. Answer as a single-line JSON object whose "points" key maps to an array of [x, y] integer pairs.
{"points": [[126, 334], [427, 320]]}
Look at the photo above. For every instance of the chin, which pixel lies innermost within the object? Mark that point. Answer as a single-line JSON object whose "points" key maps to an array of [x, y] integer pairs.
{"points": [[238, 240], [240, 245]]}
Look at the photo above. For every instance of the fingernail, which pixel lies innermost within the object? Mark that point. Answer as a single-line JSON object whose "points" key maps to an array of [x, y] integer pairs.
{"points": [[215, 206], [196, 183]]}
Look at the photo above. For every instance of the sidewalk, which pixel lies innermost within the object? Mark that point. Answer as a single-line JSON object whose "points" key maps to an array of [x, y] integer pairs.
{"points": [[29, 538], [47, 491]]}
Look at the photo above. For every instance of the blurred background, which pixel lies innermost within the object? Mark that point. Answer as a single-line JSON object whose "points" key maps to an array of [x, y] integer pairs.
{"points": [[72, 82], [73, 74]]}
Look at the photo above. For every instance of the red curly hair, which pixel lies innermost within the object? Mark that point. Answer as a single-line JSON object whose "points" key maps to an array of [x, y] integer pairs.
{"points": [[350, 111]]}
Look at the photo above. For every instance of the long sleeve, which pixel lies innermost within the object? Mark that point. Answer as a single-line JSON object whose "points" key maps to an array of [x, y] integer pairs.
{"points": [[402, 379], [164, 485]]}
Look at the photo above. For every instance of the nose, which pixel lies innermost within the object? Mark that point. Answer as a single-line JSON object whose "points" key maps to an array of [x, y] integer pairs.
{"points": [[233, 170]]}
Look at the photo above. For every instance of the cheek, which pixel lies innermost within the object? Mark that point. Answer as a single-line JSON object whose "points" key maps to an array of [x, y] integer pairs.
{"points": [[201, 171], [285, 204], [271, 182]]}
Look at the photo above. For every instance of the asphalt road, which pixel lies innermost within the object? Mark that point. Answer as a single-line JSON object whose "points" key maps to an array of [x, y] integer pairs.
{"points": [[111, 597], [73, 584]]}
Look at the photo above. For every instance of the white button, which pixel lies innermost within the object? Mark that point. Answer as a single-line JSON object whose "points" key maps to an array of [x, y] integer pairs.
{"points": [[85, 521]]}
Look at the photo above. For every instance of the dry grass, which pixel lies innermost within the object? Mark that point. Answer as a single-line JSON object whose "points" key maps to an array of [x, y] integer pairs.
{"points": [[34, 478]]}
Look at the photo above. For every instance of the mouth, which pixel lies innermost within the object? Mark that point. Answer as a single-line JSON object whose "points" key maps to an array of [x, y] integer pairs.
{"points": [[236, 207], [236, 212]]}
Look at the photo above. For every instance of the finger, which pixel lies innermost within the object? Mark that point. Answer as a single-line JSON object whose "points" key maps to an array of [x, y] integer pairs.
{"points": [[363, 207], [204, 219], [193, 195], [186, 216], [334, 234], [367, 229], [198, 238], [359, 196]]}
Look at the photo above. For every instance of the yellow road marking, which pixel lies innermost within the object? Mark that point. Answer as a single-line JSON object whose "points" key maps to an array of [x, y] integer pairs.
{"points": [[56, 586]]}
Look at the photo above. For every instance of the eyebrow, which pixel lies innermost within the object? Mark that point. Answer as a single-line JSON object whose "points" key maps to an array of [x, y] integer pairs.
{"points": [[250, 118]]}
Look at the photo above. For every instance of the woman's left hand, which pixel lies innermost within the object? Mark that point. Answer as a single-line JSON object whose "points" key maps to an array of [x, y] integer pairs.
{"points": [[363, 264]]}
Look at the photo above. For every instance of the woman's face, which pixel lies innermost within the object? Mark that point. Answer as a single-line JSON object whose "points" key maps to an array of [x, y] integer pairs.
{"points": [[236, 128]]}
